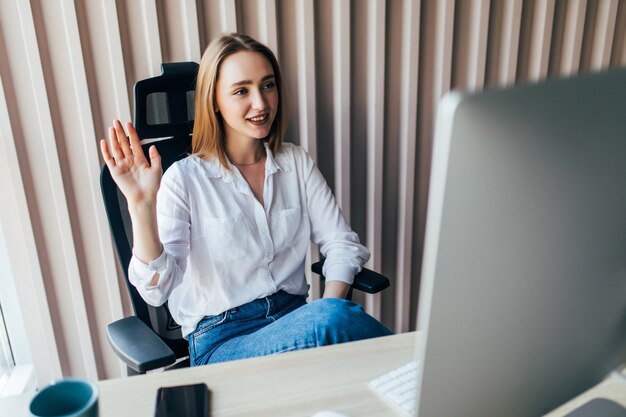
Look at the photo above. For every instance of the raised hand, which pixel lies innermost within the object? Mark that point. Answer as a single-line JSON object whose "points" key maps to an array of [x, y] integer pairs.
{"points": [[137, 178]]}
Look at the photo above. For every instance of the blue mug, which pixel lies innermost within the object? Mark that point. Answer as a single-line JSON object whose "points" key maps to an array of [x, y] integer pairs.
{"points": [[66, 398]]}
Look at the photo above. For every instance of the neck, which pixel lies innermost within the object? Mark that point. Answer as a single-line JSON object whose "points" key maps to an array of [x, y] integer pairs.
{"points": [[241, 154]]}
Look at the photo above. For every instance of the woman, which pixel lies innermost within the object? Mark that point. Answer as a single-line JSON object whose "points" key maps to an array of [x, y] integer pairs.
{"points": [[223, 235]]}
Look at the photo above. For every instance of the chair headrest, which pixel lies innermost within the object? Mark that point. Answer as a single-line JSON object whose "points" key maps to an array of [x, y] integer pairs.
{"points": [[165, 105]]}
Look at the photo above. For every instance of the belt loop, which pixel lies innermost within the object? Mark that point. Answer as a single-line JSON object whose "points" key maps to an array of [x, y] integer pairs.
{"points": [[270, 305]]}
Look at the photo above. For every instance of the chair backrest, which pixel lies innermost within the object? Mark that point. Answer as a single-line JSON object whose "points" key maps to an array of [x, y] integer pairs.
{"points": [[164, 116]]}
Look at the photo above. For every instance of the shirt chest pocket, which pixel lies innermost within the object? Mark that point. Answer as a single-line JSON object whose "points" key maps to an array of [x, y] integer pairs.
{"points": [[226, 237], [288, 226]]}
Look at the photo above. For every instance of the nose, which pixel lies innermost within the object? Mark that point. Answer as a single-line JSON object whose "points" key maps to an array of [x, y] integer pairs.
{"points": [[258, 100]]}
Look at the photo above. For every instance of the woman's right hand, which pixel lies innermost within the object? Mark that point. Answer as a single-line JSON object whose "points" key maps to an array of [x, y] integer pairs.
{"points": [[137, 178]]}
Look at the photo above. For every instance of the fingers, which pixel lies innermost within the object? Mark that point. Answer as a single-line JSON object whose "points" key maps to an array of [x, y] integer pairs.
{"points": [[135, 144], [116, 151], [121, 138], [121, 147], [106, 154], [155, 158]]}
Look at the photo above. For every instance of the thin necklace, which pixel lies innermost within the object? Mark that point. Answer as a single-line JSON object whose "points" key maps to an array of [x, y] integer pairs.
{"points": [[251, 163]]}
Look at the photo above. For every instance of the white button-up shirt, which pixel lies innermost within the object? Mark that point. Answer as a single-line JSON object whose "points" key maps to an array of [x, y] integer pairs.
{"points": [[222, 248]]}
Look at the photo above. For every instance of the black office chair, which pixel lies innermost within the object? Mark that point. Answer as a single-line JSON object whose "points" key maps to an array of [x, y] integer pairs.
{"points": [[164, 114]]}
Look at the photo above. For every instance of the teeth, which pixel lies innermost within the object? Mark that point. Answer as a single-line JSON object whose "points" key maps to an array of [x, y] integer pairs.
{"points": [[258, 118]]}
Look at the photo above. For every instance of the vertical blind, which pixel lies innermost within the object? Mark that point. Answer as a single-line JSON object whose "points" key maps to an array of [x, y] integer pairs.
{"points": [[364, 78]]}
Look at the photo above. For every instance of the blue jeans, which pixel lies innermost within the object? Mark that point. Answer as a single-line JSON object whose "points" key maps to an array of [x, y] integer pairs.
{"points": [[279, 323]]}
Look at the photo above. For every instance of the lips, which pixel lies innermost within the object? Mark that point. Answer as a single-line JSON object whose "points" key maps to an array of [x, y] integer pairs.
{"points": [[258, 120]]}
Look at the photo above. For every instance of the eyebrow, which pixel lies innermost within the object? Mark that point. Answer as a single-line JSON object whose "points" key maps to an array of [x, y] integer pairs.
{"points": [[248, 82]]}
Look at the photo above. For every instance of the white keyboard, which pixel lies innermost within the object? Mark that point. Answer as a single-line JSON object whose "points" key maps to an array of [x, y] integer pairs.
{"points": [[399, 387]]}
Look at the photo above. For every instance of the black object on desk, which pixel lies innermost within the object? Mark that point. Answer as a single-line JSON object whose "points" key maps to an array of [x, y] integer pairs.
{"points": [[183, 400], [599, 407]]}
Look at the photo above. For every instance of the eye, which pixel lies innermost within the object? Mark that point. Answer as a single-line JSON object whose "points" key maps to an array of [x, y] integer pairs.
{"points": [[240, 92], [269, 85]]}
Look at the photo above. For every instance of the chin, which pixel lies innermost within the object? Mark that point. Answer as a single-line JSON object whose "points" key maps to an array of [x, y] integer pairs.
{"points": [[260, 135]]}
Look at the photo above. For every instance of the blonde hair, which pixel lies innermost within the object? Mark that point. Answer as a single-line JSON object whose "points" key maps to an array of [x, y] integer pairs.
{"points": [[208, 138]]}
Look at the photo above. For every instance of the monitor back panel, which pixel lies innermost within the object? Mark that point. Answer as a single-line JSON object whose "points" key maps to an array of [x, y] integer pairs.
{"points": [[523, 297]]}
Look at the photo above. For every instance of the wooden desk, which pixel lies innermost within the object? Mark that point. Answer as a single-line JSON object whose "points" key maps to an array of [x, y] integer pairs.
{"points": [[290, 384], [298, 383]]}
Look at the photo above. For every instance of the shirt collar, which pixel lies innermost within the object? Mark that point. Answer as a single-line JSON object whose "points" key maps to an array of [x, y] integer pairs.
{"points": [[273, 164]]}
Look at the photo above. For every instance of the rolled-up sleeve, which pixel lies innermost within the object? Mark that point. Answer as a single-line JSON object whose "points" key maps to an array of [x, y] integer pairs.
{"points": [[338, 243], [174, 231]]}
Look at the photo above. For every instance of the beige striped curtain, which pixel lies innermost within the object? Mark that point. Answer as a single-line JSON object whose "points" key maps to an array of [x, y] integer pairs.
{"points": [[364, 79]]}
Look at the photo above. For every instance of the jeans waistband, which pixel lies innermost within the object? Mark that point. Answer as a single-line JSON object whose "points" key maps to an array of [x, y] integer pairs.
{"points": [[268, 305]]}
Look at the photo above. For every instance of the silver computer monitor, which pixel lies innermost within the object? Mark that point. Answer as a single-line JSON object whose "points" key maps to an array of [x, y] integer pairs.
{"points": [[523, 296]]}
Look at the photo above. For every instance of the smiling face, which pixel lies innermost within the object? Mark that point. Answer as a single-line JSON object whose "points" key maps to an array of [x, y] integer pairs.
{"points": [[246, 96]]}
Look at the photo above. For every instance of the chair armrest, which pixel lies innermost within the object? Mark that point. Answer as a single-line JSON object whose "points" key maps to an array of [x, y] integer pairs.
{"points": [[138, 346], [367, 280]]}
